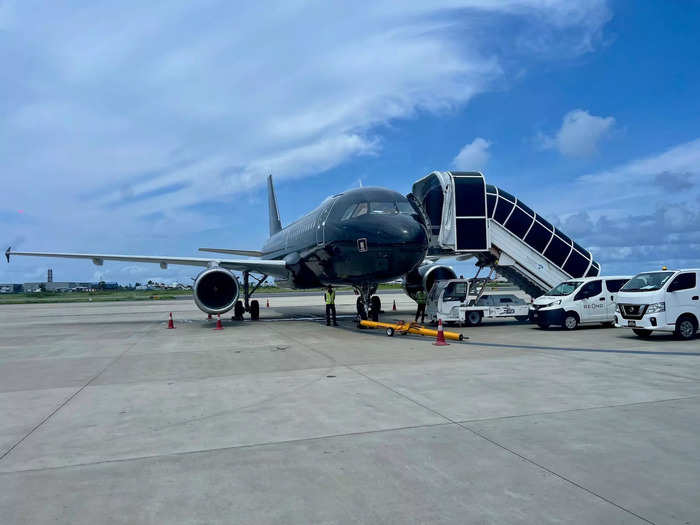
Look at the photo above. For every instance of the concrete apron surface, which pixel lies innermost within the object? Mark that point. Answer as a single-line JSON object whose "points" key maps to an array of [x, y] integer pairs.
{"points": [[108, 417]]}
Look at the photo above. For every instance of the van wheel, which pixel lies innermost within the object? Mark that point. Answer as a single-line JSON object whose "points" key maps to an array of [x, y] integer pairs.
{"points": [[570, 321], [640, 332], [474, 318], [685, 328]]}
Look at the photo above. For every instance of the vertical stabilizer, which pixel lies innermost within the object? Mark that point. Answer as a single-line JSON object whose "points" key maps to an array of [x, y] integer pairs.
{"points": [[275, 223]]}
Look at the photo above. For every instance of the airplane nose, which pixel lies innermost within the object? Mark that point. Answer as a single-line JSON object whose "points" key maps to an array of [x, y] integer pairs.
{"points": [[402, 229]]}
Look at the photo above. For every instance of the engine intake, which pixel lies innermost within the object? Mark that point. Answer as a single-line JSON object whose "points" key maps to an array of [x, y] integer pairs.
{"points": [[423, 278], [215, 291]]}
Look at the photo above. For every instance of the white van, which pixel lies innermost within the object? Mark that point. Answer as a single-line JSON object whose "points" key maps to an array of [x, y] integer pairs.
{"points": [[667, 301], [578, 301]]}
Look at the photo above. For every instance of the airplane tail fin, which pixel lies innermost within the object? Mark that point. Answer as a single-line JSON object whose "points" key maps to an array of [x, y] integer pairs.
{"points": [[275, 223]]}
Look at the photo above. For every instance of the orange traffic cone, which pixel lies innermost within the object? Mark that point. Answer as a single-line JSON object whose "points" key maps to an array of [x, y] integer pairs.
{"points": [[170, 321], [394, 307], [218, 326], [440, 335], [268, 303]]}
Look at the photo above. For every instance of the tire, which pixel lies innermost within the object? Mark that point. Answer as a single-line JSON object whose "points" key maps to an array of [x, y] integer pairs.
{"points": [[376, 303], [640, 332], [570, 321], [361, 312], [686, 327], [474, 318], [254, 310], [390, 332], [238, 311], [522, 318]]}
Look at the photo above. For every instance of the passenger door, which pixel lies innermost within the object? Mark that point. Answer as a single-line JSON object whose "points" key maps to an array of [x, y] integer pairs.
{"points": [[593, 302], [682, 295]]}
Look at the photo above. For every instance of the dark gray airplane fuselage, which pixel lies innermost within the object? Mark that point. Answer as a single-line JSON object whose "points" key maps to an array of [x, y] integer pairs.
{"points": [[353, 239]]}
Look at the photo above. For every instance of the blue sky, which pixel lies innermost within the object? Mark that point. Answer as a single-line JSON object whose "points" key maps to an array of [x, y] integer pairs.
{"points": [[138, 128]]}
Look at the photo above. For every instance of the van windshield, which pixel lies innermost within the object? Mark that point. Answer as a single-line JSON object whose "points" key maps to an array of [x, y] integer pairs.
{"points": [[646, 282], [565, 288]]}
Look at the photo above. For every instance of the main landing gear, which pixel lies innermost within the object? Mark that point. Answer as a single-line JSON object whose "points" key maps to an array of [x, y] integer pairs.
{"points": [[366, 298], [253, 307]]}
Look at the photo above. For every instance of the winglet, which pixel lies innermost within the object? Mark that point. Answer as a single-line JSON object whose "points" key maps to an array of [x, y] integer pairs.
{"points": [[275, 223], [7, 253]]}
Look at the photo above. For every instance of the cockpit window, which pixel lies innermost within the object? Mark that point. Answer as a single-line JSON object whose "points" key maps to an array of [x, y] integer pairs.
{"points": [[348, 212], [376, 208], [361, 209], [405, 207], [383, 208]]}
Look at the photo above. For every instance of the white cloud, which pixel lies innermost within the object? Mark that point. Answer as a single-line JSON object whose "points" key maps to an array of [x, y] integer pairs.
{"points": [[579, 134], [103, 101], [473, 156]]}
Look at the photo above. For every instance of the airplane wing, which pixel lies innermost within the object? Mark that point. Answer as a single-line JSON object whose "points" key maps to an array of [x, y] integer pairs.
{"points": [[275, 268], [248, 253]]}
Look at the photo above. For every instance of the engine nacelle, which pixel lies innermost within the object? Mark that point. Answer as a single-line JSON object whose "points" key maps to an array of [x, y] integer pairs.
{"points": [[423, 278], [215, 291]]}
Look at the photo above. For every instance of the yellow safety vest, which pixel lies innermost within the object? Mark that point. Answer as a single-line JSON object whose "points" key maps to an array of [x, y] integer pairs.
{"points": [[330, 297], [420, 297]]}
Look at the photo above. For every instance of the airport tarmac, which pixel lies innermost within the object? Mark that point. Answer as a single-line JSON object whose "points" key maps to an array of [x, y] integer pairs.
{"points": [[108, 417]]}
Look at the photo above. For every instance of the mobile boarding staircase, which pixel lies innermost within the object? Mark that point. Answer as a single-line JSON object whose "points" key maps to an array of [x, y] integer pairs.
{"points": [[468, 218]]}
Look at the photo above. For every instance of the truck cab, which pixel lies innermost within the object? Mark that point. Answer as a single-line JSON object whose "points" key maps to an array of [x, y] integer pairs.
{"points": [[665, 301], [587, 300]]}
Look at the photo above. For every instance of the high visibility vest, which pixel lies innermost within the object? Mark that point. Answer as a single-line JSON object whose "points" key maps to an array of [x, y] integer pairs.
{"points": [[420, 297], [330, 297]]}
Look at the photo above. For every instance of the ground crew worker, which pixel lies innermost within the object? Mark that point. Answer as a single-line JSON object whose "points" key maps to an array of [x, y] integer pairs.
{"points": [[329, 296], [420, 299]]}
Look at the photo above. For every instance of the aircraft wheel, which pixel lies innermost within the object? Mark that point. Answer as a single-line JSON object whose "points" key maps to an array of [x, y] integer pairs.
{"points": [[254, 310], [361, 312], [390, 332], [376, 305], [238, 311]]}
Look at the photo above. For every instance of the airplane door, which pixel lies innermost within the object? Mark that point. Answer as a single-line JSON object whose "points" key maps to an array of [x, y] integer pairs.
{"points": [[321, 223]]}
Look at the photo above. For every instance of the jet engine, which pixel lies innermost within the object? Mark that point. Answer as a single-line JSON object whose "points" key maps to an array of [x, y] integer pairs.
{"points": [[215, 291], [423, 278]]}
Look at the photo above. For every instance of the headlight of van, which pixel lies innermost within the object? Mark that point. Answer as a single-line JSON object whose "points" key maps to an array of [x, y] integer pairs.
{"points": [[656, 308], [554, 303]]}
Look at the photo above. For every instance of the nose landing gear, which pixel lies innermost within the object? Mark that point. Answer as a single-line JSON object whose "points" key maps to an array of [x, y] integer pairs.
{"points": [[368, 305]]}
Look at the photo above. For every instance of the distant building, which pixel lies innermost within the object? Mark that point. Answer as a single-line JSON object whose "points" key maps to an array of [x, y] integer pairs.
{"points": [[49, 276], [32, 287], [10, 288]]}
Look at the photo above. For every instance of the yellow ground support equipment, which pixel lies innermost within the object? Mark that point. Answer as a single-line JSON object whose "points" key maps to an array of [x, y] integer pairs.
{"points": [[407, 327]]}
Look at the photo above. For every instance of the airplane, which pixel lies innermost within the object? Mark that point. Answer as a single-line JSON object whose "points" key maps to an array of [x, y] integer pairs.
{"points": [[361, 237]]}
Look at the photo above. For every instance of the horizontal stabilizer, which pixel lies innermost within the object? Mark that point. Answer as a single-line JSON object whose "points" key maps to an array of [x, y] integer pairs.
{"points": [[250, 253]]}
